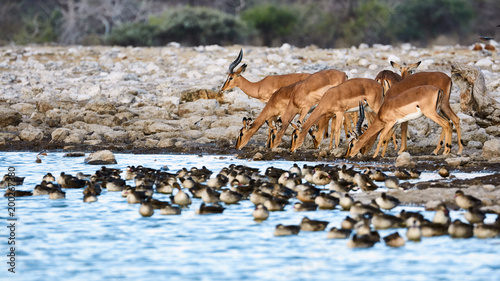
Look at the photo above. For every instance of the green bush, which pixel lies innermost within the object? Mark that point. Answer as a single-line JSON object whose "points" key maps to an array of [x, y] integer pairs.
{"points": [[272, 21], [132, 34], [426, 19], [198, 26]]}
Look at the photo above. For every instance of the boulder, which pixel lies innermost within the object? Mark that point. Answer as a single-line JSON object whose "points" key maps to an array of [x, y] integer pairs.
{"points": [[403, 160], [9, 117], [58, 135], [31, 133], [491, 149], [101, 157]]}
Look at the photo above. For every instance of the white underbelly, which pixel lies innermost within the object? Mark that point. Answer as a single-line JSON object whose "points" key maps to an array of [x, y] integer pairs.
{"points": [[410, 116]]}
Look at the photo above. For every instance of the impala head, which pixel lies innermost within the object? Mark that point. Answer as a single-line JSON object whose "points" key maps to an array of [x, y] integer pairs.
{"points": [[359, 130], [295, 138], [405, 69], [273, 131], [313, 132], [233, 75], [243, 135]]}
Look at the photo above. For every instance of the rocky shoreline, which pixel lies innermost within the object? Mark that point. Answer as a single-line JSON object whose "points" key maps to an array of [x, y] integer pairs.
{"points": [[166, 100]]}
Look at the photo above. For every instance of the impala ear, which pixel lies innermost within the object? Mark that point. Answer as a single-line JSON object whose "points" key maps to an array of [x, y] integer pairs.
{"points": [[241, 69], [385, 86], [414, 65], [396, 65]]}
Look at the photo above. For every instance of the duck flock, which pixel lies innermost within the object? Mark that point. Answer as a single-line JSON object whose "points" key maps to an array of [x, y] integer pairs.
{"points": [[306, 189]]}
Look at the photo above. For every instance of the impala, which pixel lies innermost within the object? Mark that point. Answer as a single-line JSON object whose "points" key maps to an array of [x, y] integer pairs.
{"points": [[408, 105], [339, 100], [443, 82], [262, 90], [318, 82], [301, 101]]}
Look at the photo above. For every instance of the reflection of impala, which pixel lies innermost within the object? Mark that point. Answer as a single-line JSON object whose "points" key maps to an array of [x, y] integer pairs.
{"points": [[408, 105], [262, 90], [339, 100], [316, 84], [443, 82]]}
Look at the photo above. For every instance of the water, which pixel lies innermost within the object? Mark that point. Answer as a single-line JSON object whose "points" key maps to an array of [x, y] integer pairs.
{"points": [[108, 240]]}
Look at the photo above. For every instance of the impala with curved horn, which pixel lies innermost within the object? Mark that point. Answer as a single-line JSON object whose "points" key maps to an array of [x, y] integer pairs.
{"points": [[339, 100], [263, 89], [317, 84], [408, 105], [443, 82], [301, 101]]}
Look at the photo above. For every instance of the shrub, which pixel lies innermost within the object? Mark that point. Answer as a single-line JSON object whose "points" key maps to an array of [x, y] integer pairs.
{"points": [[272, 21], [426, 19], [198, 26], [134, 34]]}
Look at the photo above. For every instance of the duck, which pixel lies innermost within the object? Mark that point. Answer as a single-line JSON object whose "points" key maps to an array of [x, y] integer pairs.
{"points": [[283, 192], [431, 229], [340, 185], [442, 215], [364, 182], [458, 229], [483, 231], [146, 210], [304, 207], [208, 195], [295, 169], [465, 201], [408, 217], [89, 197], [320, 177], [217, 182], [359, 209], [41, 189], [363, 241], [346, 202], [387, 202], [394, 240], [392, 182], [135, 197], [385, 221], [57, 194], [115, 185], [260, 213], [167, 188], [474, 215], [187, 182], [275, 204], [285, 230], [348, 223], [312, 225], [378, 176], [414, 173], [444, 172], [230, 197], [347, 174], [213, 209], [17, 193], [402, 174], [181, 198], [82, 176], [414, 231], [338, 233], [12, 180], [326, 201], [168, 210], [48, 178], [259, 197], [307, 193]]}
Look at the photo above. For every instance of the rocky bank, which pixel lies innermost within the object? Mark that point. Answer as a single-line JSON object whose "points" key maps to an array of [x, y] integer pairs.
{"points": [[165, 99]]}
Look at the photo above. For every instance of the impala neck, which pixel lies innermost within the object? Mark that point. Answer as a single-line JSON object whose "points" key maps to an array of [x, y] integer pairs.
{"points": [[249, 88]]}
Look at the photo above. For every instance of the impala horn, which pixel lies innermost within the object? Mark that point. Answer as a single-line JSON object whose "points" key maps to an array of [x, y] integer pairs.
{"points": [[236, 62], [361, 119]]}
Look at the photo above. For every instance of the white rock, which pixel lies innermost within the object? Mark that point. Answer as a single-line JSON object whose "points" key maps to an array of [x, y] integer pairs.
{"points": [[491, 149], [101, 157], [286, 47], [58, 135], [403, 160], [30, 134], [484, 62], [393, 58]]}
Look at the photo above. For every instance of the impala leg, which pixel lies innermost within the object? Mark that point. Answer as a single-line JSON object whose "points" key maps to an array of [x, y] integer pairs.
{"points": [[387, 140], [332, 132], [446, 109], [404, 136], [394, 140], [383, 136], [338, 127], [445, 124], [440, 143]]}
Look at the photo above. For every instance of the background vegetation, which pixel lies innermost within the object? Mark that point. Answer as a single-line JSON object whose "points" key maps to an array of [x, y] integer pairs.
{"points": [[325, 23]]}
